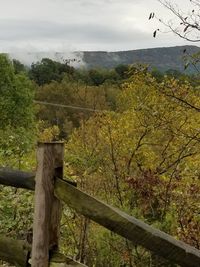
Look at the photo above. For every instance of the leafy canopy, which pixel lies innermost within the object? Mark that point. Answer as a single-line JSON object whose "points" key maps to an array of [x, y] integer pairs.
{"points": [[16, 109]]}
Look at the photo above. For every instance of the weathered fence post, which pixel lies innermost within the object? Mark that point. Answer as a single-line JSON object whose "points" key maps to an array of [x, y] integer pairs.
{"points": [[47, 211]]}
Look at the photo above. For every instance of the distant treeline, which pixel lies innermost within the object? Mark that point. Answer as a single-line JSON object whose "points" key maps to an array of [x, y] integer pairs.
{"points": [[47, 70], [95, 88]]}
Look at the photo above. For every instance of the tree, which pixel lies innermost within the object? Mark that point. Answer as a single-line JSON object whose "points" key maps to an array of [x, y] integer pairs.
{"points": [[49, 70], [122, 71], [18, 66], [144, 158], [173, 73], [16, 108], [185, 24], [76, 94], [16, 139]]}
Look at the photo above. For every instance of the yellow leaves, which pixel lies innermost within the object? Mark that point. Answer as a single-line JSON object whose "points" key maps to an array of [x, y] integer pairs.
{"points": [[147, 153], [49, 134], [148, 122], [151, 131]]}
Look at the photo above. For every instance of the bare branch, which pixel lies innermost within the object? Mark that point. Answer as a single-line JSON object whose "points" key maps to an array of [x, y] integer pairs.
{"points": [[185, 24]]}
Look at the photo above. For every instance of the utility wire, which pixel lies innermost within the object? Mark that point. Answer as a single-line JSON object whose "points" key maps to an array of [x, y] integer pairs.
{"points": [[66, 106]]}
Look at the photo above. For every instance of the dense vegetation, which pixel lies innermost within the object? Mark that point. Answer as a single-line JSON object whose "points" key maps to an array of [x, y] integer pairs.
{"points": [[139, 151], [162, 58]]}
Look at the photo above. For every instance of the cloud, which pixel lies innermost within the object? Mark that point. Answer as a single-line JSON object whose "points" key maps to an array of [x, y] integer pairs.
{"points": [[79, 25], [27, 57], [17, 30]]}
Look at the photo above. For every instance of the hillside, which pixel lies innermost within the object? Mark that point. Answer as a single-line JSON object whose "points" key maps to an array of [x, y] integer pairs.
{"points": [[163, 58]]}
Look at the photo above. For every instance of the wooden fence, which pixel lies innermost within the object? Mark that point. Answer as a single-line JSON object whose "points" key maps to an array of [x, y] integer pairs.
{"points": [[50, 189]]}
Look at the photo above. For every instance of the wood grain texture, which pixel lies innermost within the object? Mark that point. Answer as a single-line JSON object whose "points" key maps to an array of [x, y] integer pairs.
{"points": [[127, 226], [21, 179], [113, 219], [56, 209], [47, 207]]}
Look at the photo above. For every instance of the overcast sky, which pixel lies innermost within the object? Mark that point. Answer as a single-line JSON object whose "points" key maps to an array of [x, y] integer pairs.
{"points": [[68, 25]]}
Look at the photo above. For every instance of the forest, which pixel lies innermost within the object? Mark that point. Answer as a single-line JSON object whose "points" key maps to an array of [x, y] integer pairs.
{"points": [[131, 139]]}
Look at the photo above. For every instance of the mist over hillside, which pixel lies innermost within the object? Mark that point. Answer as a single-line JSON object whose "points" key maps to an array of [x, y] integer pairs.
{"points": [[75, 59], [162, 58]]}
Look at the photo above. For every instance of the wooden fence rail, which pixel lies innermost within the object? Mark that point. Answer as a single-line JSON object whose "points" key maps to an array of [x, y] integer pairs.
{"points": [[17, 252], [112, 218]]}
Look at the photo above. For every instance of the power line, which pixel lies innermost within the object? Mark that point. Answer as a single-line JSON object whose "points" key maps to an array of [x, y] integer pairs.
{"points": [[66, 106]]}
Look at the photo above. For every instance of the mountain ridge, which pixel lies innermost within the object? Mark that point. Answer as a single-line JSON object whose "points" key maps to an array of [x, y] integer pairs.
{"points": [[162, 58]]}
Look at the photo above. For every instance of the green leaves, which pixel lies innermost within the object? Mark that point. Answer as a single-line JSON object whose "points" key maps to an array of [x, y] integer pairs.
{"points": [[144, 155], [49, 70], [16, 109], [16, 95]]}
